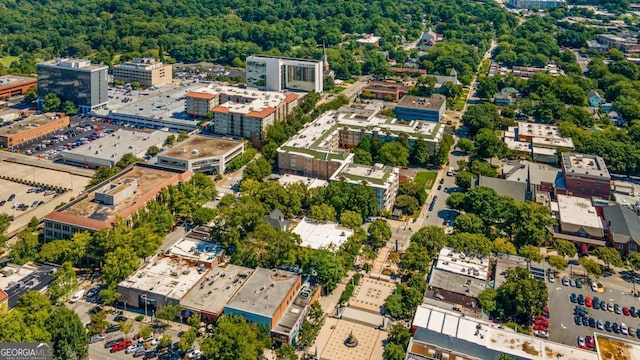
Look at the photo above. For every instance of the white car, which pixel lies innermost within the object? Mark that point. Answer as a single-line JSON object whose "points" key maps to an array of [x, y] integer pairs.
{"points": [[195, 355], [594, 286], [77, 296], [624, 329], [552, 278], [132, 348], [155, 342]]}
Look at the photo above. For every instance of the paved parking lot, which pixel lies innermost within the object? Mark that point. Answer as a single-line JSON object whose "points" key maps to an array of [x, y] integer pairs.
{"points": [[97, 350], [561, 323]]}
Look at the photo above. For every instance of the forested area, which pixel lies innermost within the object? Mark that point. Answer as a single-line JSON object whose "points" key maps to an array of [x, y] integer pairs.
{"points": [[226, 31]]}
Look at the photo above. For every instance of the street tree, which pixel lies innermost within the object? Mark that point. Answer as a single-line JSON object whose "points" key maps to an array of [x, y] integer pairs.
{"points": [[69, 108], [488, 144], [455, 200], [558, 262], [168, 312], [487, 300], [153, 150], [469, 223], [182, 135], [504, 246], [609, 256], [325, 267], [234, 339], [431, 238], [415, 258], [521, 296], [68, 335], [51, 103], [379, 232], [394, 154], [420, 153], [323, 212], [470, 243], [165, 340], [286, 352], [187, 339], [119, 264], [634, 260], [351, 219], [591, 267], [145, 332], [483, 116], [465, 179], [528, 223], [465, 145], [126, 327], [530, 252], [64, 283], [407, 204], [564, 248], [170, 140]]}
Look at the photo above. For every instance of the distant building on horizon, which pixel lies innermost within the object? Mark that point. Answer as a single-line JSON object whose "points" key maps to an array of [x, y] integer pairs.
{"points": [[536, 4], [76, 80], [146, 71], [275, 73]]}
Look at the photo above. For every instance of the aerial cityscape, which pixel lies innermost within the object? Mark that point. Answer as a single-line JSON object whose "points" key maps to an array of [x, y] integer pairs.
{"points": [[326, 180]]}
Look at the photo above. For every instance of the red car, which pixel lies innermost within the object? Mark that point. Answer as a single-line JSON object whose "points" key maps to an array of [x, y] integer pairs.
{"points": [[545, 312], [588, 302], [540, 327], [589, 342], [626, 311], [544, 322], [121, 346]]}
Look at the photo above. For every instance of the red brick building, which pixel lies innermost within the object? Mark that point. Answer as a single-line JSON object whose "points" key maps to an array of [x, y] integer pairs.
{"points": [[384, 90], [11, 85], [586, 176]]}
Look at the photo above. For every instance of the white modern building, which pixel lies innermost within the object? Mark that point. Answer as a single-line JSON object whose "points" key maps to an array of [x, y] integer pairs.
{"points": [[540, 141], [201, 154], [279, 73], [320, 235], [384, 180]]}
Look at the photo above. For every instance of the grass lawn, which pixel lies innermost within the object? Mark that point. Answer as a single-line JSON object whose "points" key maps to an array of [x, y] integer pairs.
{"points": [[336, 90], [350, 81], [7, 60], [426, 179], [459, 104]]}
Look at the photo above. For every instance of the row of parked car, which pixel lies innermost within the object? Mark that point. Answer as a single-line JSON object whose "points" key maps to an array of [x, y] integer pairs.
{"points": [[595, 303], [581, 317], [577, 283]]}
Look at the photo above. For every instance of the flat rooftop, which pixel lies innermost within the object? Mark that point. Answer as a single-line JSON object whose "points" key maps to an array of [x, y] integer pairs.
{"points": [[318, 235], [263, 292], [484, 340], [30, 122], [310, 183], [26, 278], [168, 276], [292, 314], [456, 283], [196, 249], [613, 348], [270, 98], [256, 57], [578, 211], [421, 103], [212, 292], [113, 146], [149, 178], [17, 273], [541, 134], [584, 165], [458, 263], [377, 174], [13, 80], [166, 103], [71, 63], [199, 146]]}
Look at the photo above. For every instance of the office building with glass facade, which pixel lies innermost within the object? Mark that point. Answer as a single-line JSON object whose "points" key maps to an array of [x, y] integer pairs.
{"points": [[278, 73], [76, 80]]}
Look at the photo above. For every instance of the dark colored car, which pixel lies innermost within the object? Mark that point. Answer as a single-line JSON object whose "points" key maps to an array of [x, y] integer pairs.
{"points": [[638, 333], [151, 354], [577, 320], [110, 343], [617, 309], [95, 310], [112, 328], [632, 311], [585, 321], [573, 298], [603, 306], [616, 328], [592, 322], [625, 311], [596, 303], [119, 318], [11, 197], [607, 326], [580, 299], [573, 262]]}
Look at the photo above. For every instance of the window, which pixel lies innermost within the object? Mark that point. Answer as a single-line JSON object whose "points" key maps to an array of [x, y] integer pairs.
{"points": [[633, 246], [619, 246]]}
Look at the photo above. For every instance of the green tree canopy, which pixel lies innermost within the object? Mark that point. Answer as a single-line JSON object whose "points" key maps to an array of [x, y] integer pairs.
{"points": [[235, 339]]}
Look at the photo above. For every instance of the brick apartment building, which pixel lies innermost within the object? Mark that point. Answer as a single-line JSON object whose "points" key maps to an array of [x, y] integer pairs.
{"points": [[586, 176]]}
